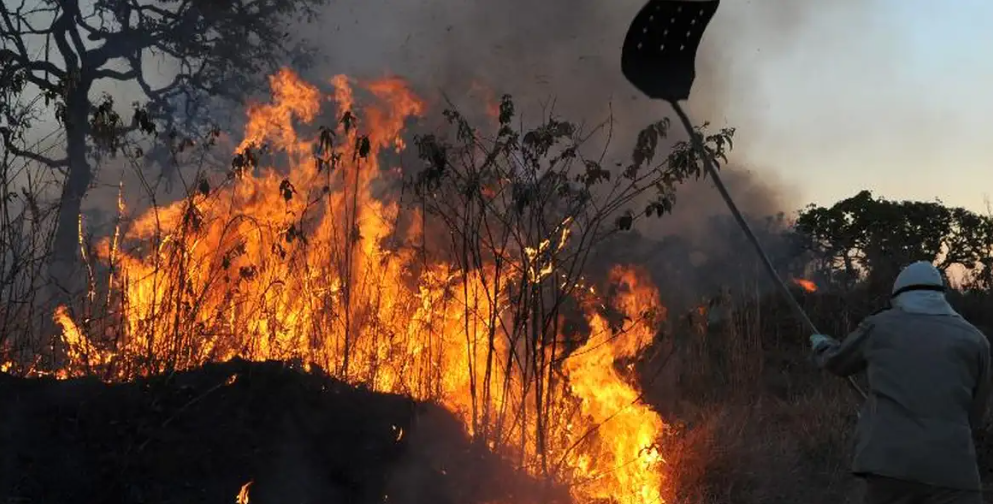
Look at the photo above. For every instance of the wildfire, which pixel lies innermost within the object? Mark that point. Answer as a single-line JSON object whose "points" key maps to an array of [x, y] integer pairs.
{"points": [[488, 99], [290, 264], [242, 497], [624, 465], [806, 285]]}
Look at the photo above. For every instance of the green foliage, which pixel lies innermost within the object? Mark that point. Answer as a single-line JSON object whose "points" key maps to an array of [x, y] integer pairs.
{"points": [[871, 238]]}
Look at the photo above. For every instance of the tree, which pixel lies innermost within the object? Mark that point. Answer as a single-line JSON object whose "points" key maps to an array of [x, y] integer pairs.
{"points": [[522, 212], [869, 238], [60, 48]]}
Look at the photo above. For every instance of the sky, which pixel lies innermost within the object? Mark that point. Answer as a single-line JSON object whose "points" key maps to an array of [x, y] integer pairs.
{"points": [[903, 106], [829, 97]]}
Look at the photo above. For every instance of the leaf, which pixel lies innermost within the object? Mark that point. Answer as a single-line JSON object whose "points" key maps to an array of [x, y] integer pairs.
{"points": [[506, 110], [247, 272], [192, 218], [594, 174], [625, 221], [363, 146], [286, 189], [348, 120], [143, 119], [244, 161]]}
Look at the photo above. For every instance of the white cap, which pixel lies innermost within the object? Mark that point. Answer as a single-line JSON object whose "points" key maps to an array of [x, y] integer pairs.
{"points": [[920, 273]]}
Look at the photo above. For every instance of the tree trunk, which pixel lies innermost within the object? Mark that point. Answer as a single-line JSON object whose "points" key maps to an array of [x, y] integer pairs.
{"points": [[66, 257]]}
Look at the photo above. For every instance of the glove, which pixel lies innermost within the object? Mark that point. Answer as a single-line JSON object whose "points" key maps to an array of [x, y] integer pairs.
{"points": [[820, 341]]}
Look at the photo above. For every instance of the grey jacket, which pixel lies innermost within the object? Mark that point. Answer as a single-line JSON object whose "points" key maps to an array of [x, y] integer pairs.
{"points": [[929, 379]]}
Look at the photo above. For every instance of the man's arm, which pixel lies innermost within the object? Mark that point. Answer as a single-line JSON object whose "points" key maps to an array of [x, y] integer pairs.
{"points": [[847, 357], [981, 394]]}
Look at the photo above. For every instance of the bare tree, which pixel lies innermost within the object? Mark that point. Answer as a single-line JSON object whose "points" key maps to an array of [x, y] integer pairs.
{"points": [[522, 213], [61, 48]]}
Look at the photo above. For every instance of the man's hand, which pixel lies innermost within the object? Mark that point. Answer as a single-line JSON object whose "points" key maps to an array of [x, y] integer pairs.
{"points": [[819, 342]]}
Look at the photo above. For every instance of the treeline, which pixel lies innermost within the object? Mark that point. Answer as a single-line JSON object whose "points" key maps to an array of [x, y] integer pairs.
{"points": [[759, 422], [867, 239]]}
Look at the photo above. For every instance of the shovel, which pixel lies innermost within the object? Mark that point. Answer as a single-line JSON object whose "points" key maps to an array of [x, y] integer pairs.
{"points": [[659, 58]]}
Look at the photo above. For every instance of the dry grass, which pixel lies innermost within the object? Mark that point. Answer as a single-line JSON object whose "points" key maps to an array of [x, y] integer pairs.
{"points": [[757, 422]]}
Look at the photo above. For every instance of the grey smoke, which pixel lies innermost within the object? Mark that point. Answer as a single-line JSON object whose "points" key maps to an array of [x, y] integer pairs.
{"points": [[566, 52], [569, 51]]}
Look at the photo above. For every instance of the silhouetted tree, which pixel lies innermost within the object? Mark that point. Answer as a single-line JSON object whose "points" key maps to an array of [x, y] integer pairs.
{"points": [[870, 239], [61, 48]]}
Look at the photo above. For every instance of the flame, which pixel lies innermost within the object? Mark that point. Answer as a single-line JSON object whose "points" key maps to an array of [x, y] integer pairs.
{"points": [[623, 463], [242, 497], [289, 264], [806, 285], [79, 349], [486, 95]]}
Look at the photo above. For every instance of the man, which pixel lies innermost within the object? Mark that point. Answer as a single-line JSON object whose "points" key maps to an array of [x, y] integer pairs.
{"points": [[929, 378]]}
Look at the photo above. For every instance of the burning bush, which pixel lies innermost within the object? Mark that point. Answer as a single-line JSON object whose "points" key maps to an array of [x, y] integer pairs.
{"points": [[470, 296]]}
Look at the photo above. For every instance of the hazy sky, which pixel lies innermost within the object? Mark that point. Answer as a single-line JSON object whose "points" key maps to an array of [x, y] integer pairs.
{"points": [[902, 105], [829, 96]]}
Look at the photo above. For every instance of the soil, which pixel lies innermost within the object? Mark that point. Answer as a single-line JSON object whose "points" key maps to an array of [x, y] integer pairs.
{"points": [[199, 436]]}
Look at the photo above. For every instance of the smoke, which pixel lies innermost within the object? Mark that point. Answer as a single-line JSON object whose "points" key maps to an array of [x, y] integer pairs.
{"points": [[567, 53], [566, 50]]}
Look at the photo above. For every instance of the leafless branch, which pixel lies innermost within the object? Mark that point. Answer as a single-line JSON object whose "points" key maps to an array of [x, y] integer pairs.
{"points": [[33, 156]]}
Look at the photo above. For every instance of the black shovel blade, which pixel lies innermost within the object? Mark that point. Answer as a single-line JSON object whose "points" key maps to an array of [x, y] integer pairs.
{"points": [[659, 53]]}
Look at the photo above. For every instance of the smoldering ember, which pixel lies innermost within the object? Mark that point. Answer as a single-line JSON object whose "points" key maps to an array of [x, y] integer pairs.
{"points": [[355, 289]]}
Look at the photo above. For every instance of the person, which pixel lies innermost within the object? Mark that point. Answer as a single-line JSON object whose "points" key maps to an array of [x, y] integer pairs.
{"points": [[929, 378]]}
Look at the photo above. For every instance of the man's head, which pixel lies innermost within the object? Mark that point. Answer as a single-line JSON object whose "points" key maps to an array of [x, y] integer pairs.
{"points": [[919, 288], [918, 276]]}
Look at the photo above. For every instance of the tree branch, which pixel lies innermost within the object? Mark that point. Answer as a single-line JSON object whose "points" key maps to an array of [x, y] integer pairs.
{"points": [[60, 27], [14, 31], [30, 66], [74, 16], [115, 74], [34, 156]]}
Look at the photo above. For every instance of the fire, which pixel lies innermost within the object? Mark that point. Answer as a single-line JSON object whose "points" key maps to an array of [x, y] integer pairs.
{"points": [[806, 285], [242, 497], [489, 100], [626, 429], [290, 263]]}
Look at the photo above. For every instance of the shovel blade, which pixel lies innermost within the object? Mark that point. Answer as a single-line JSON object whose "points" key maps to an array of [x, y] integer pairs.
{"points": [[659, 53]]}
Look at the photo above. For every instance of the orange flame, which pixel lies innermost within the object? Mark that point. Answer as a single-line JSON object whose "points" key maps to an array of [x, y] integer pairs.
{"points": [[806, 285], [625, 460], [242, 497], [290, 265], [492, 106]]}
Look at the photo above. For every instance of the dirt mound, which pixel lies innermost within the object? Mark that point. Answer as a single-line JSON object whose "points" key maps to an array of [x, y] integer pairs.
{"points": [[199, 436]]}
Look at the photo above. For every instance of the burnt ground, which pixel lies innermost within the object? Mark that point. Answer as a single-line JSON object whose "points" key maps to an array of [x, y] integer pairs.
{"points": [[193, 437]]}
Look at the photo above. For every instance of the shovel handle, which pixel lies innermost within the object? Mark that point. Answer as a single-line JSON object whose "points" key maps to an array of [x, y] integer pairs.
{"points": [[712, 172]]}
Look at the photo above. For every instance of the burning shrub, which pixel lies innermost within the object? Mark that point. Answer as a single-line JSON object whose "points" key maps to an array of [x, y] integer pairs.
{"points": [[472, 302]]}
